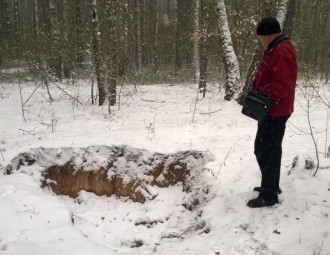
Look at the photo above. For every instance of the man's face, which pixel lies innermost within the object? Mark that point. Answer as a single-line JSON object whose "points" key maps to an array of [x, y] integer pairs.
{"points": [[264, 40]]}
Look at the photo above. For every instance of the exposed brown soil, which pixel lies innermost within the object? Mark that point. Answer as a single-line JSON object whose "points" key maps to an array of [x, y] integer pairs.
{"points": [[67, 180], [120, 171]]}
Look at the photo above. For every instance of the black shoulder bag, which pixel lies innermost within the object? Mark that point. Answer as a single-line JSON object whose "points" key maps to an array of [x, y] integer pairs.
{"points": [[257, 106]]}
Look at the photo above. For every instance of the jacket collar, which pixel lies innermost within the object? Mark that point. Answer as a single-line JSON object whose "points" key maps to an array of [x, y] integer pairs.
{"points": [[276, 41]]}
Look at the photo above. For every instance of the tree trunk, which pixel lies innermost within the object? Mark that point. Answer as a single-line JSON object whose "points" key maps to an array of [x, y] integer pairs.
{"points": [[124, 57], [155, 50], [38, 61], [17, 31], [288, 22], [80, 35], [203, 46], [35, 17], [112, 17], [97, 54], [8, 20], [183, 47], [250, 74], [138, 36], [197, 10], [267, 9], [54, 57], [281, 11], [66, 45], [325, 48], [228, 54]]}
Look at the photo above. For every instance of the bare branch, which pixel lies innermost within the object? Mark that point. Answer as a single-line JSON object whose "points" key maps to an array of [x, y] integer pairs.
{"points": [[22, 105], [31, 94], [67, 93], [308, 100]]}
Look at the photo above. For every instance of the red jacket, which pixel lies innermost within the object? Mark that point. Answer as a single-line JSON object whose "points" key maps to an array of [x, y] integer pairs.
{"points": [[277, 74]]}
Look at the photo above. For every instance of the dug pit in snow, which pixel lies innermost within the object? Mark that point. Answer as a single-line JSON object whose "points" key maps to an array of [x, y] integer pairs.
{"points": [[117, 170]]}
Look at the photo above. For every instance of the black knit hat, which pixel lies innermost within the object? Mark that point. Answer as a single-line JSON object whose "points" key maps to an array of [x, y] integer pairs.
{"points": [[268, 26]]}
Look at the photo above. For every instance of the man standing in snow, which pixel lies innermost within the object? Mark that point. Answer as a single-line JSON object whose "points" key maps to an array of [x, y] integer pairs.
{"points": [[276, 78]]}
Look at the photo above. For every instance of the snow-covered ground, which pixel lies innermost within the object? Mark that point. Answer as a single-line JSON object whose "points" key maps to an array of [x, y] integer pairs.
{"points": [[162, 119]]}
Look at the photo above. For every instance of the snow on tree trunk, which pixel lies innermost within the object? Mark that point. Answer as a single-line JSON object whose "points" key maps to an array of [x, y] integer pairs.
{"points": [[228, 53], [290, 13], [97, 54], [197, 4], [266, 10], [112, 16], [8, 20], [54, 58], [203, 46], [155, 51], [39, 61], [124, 57], [18, 51], [66, 45], [281, 11], [250, 74], [183, 36], [138, 36], [35, 17], [80, 36]]}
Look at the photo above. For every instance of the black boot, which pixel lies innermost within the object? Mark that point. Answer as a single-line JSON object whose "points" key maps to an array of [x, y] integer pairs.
{"points": [[262, 202]]}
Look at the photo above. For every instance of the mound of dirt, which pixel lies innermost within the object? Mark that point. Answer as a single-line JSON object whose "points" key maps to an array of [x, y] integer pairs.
{"points": [[112, 170]]}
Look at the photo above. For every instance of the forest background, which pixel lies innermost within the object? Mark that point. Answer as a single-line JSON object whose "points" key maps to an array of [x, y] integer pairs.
{"points": [[113, 42]]}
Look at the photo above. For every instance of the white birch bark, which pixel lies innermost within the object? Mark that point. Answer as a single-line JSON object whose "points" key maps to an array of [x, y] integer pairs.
{"points": [[228, 54], [97, 54], [281, 11], [112, 16], [196, 39], [54, 59], [155, 51], [8, 20], [138, 36], [204, 21], [35, 16], [66, 51], [281, 14], [17, 30], [80, 35]]}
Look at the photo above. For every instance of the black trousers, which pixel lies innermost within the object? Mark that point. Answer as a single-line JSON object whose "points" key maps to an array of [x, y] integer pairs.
{"points": [[268, 151]]}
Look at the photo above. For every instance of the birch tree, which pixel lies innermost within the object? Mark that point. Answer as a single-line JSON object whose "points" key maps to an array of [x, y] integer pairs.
{"points": [[317, 22], [228, 54], [290, 14], [281, 12], [8, 20], [37, 59], [183, 47], [17, 32], [138, 36], [197, 7], [112, 17], [97, 54], [155, 51], [124, 57], [155, 35], [80, 35], [35, 18], [203, 46], [66, 45], [267, 8], [54, 40]]}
